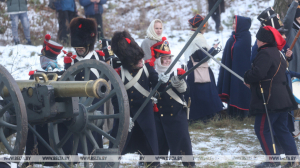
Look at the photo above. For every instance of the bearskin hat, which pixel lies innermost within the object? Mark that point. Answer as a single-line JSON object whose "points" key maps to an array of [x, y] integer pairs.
{"points": [[51, 49], [128, 51], [83, 32], [269, 18]]}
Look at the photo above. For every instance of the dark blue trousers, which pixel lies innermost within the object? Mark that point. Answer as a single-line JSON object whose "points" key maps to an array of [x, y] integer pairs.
{"points": [[280, 130]]}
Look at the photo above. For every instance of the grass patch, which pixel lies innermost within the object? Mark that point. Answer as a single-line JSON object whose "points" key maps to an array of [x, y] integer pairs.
{"points": [[226, 122]]}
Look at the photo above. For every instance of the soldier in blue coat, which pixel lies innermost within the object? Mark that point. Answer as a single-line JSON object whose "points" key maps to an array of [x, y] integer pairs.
{"points": [[83, 37], [171, 115], [138, 79]]}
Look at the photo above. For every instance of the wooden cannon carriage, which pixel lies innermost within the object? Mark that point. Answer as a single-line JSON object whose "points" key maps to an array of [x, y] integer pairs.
{"points": [[52, 100]]}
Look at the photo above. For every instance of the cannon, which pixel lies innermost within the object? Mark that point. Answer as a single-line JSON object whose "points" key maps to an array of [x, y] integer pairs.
{"points": [[58, 100]]}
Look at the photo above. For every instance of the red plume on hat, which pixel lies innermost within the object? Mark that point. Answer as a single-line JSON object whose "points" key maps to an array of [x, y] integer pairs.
{"points": [[278, 37], [51, 48], [154, 49]]}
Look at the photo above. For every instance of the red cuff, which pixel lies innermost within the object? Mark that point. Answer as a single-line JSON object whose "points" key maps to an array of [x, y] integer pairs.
{"points": [[67, 60]]}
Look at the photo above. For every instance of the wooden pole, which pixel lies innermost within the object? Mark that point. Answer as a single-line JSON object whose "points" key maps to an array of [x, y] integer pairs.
{"points": [[295, 40]]}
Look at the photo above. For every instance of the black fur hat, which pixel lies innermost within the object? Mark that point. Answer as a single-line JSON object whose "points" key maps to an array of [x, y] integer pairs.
{"points": [[83, 32], [269, 18], [128, 51], [265, 36]]}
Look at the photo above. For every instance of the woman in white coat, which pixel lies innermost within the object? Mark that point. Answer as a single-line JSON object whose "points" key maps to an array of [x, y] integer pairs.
{"points": [[154, 35]]}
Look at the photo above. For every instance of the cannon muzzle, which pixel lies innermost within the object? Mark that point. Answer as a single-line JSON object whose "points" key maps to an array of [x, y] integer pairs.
{"points": [[94, 88]]}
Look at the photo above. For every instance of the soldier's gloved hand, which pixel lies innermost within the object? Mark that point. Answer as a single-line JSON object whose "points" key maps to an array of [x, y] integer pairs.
{"points": [[68, 58], [164, 78], [179, 85]]}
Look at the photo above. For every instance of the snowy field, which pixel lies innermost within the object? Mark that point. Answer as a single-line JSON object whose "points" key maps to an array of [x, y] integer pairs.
{"points": [[206, 139]]}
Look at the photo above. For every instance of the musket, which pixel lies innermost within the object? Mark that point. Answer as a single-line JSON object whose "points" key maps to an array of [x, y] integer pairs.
{"points": [[242, 79], [176, 59], [295, 40]]}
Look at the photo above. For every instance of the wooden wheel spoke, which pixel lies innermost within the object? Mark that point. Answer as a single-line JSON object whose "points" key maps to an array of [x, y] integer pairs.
{"points": [[8, 125], [91, 138], [75, 144], [93, 127], [102, 75], [101, 102], [5, 142], [71, 78], [97, 117], [5, 108], [88, 101], [87, 72], [64, 140], [84, 144], [1, 86]]}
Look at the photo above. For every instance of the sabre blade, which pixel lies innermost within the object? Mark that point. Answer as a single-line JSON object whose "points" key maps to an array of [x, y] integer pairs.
{"points": [[224, 66]]}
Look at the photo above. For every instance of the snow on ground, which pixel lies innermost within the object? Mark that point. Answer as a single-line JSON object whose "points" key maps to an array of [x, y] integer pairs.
{"points": [[20, 59]]}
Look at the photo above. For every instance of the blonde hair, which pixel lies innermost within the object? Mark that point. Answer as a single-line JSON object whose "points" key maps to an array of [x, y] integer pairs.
{"points": [[158, 21], [151, 32]]}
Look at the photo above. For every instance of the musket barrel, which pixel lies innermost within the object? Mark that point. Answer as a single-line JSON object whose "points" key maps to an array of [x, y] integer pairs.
{"points": [[98, 88]]}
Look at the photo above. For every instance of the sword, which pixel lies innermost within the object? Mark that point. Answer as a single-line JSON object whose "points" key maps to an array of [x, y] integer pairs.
{"points": [[224, 66], [265, 105], [176, 59], [242, 79]]}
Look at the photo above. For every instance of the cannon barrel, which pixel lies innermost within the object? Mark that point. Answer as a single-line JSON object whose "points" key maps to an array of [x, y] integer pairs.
{"points": [[98, 88]]}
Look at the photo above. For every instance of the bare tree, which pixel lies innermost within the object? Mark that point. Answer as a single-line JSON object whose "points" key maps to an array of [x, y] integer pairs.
{"points": [[281, 7]]}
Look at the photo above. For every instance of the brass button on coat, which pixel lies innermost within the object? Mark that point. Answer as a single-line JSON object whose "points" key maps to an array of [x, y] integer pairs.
{"points": [[171, 114], [161, 115], [131, 91], [131, 100], [170, 97], [171, 106], [160, 106]]}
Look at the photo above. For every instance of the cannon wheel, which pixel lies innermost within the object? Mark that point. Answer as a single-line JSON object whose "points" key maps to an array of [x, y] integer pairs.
{"points": [[13, 117], [118, 89]]}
